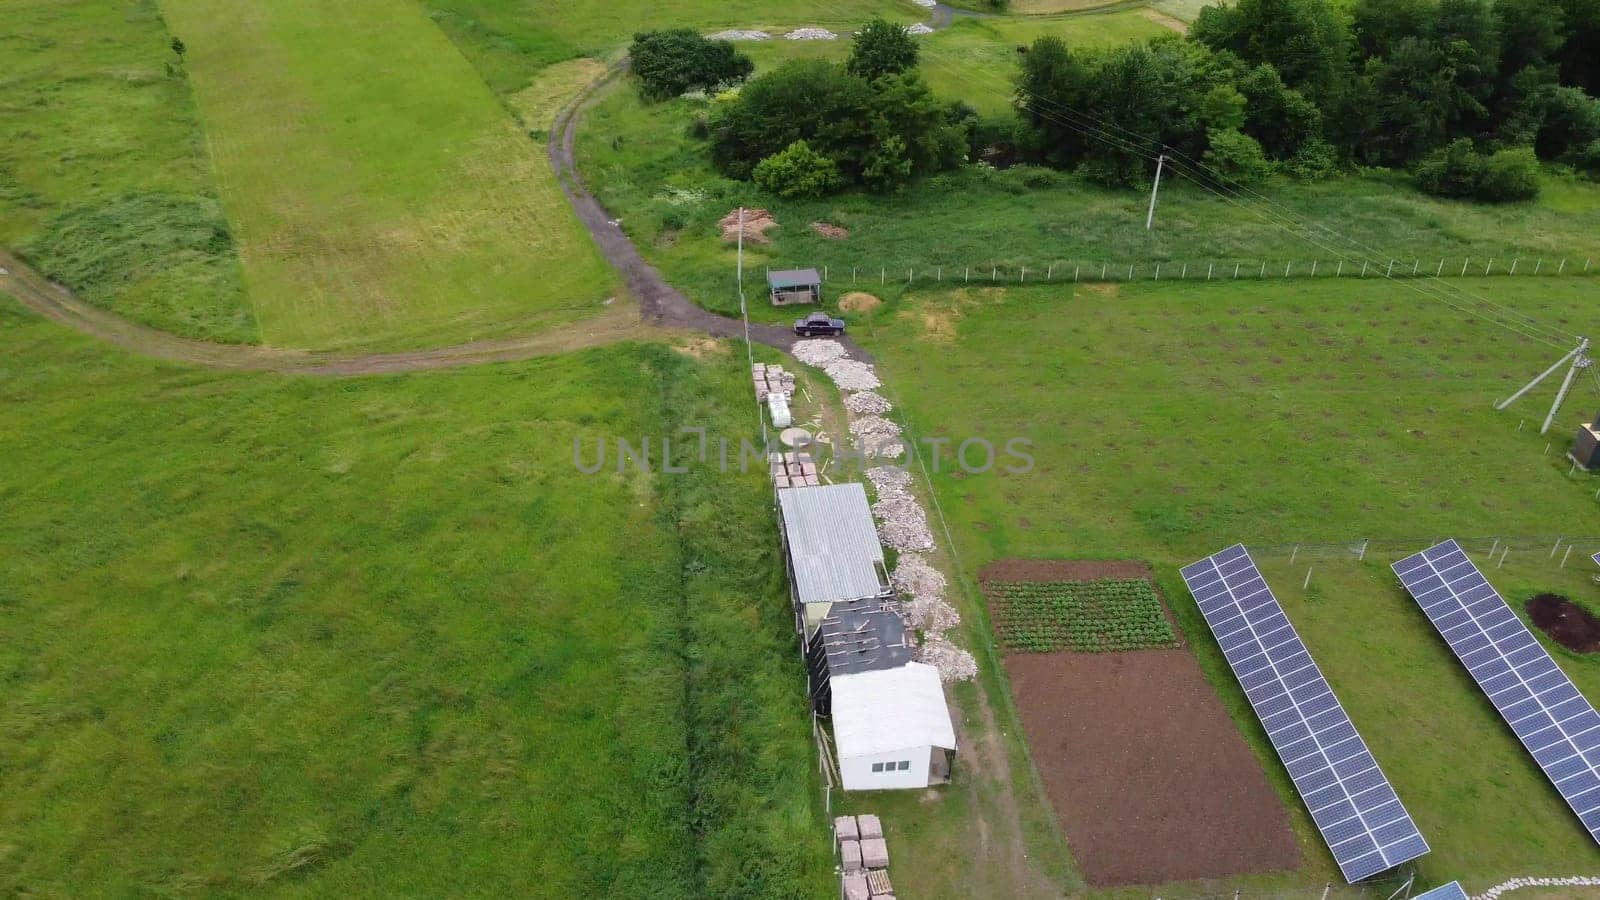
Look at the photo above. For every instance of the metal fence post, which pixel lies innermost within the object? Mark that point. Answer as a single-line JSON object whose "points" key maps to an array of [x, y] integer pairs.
{"points": [[1158, 271], [1313, 268], [1464, 263], [1537, 265], [1208, 270], [1514, 261]]}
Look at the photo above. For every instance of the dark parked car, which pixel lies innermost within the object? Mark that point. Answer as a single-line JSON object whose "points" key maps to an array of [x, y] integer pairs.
{"points": [[818, 323]]}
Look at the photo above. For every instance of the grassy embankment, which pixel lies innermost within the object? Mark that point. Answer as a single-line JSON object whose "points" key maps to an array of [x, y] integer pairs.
{"points": [[379, 636], [1170, 421]]}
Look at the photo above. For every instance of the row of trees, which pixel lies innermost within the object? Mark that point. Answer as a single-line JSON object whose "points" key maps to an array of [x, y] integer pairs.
{"points": [[1302, 86]]}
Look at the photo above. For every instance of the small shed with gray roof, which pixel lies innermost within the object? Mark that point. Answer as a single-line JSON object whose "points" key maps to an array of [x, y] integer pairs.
{"points": [[794, 286], [831, 548], [857, 636]]}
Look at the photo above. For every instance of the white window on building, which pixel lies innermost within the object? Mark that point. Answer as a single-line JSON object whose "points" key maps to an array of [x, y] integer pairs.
{"points": [[877, 767], [905, 764]]}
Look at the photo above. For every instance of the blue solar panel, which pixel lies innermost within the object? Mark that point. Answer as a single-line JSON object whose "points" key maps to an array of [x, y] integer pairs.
{"points": [[1547, 713], [1366, 827], [1451, 891]]}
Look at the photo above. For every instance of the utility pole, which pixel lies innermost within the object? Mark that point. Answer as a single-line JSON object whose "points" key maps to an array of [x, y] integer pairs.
{"points": [[1579, 358], [1150, 219]]}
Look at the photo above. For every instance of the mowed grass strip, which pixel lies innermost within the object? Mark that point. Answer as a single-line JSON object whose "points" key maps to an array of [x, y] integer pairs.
{"points": [[1169, 421], [380, 637], [380, 193], [104, 180]]}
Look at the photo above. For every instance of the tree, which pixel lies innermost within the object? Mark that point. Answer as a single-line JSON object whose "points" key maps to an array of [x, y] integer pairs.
{"points": [[1378, 25], [1580, 52], [1053, 78], [879, 135], [798, 172], [679, 60], [881, 48], [806, 99], [1305, 40], [1276, 115], [1568, 120]]}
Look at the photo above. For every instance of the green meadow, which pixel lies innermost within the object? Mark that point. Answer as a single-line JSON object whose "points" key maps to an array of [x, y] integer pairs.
{"points": [[380, 193], [1171, 421], [380, 636]]}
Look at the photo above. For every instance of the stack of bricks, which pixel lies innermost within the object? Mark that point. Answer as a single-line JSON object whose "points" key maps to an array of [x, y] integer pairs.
{"points": [[863, 858], [771, 380], [793, 470]]}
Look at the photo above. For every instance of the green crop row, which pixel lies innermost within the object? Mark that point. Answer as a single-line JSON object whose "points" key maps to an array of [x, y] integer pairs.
{"points": [[1086, 616]]}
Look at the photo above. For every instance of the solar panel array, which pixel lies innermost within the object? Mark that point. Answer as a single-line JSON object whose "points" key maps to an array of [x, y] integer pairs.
{"points": [[1352, 803], [1451, 891], [1540, 703]]}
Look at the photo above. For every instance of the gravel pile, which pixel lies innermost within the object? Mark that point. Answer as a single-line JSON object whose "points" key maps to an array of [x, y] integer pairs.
{"points": [[850, 375], [818, 351], [902, 523], [919, 28], [914, 575], [811, 34], [877, 436], [953, 663], [889, 481], [736, 35], [930, 4], [867, 403], [932, 617]]}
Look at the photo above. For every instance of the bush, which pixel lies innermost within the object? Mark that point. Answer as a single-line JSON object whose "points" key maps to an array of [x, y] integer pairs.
{"points": [[1317, 159], [680, 60], [1460, 171], [798, 172], [1237, 157], [1588, 158], [1510, 175]]}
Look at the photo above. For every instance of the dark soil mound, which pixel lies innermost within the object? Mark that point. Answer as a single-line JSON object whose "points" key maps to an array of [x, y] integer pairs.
{"points": [[1567, 623]]}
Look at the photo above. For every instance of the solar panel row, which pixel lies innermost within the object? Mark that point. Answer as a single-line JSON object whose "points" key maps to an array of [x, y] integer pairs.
{"points": [[1541, 704], [1366, 827], [1451, 891]]}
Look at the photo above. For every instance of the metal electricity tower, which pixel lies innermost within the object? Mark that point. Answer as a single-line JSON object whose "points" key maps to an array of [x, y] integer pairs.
{"points": [[1579, 357]]}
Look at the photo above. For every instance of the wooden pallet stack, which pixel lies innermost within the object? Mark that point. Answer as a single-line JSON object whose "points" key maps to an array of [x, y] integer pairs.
{"points": [[771, 379]]}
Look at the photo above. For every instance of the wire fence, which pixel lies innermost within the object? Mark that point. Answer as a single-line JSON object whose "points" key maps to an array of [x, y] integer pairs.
{"points": [[1558, 550], [1013, 272]]}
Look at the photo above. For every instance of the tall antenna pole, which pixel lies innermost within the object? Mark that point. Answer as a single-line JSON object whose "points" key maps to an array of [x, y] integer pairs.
{"points": [[1150, 218]]}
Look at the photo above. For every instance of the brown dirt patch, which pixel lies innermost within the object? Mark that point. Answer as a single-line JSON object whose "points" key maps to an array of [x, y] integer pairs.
{"points": [[1567, 623], [1103, 288], [1151, 780], [1164, 20], [757, 222], [857, 301], [702, 348], [831, 232], [939, 325]]}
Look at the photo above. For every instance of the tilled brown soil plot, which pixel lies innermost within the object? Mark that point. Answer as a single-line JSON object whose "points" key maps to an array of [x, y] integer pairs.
{"points": [[1149, 777]]}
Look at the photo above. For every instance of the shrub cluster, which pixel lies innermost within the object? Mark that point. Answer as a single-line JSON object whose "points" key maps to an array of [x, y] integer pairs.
{"points": [[812, 126], [1461, 171], [679, 60]]}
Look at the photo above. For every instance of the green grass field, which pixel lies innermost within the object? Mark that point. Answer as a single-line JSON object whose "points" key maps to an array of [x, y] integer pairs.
{"points": [[1169, 422], [104, 179], [511, 41], [380, 637], [380, 193]]}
